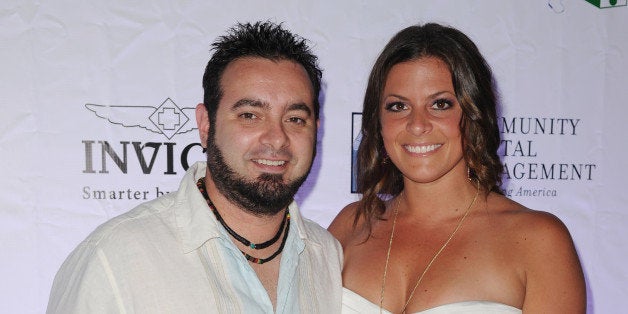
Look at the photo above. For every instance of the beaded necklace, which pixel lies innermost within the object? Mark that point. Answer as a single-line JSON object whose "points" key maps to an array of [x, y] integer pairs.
{"points": [[285, 222]]}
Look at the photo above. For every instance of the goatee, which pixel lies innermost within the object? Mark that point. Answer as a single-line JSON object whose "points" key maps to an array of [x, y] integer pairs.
{"points": [[265, 195]]}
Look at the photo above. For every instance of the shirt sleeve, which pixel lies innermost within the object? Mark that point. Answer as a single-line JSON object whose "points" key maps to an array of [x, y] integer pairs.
{"points": [[85, 284]]}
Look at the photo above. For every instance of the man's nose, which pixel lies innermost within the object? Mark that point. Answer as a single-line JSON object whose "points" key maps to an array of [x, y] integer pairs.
{"points": [[275, 136]]}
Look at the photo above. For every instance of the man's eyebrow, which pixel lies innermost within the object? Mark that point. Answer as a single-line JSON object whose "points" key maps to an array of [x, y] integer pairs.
{"points": [[301, 107], [249, 102], [261, 104]]}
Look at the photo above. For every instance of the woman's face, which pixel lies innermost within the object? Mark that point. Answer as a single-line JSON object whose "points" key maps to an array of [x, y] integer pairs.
{"points": [[420, 118]]}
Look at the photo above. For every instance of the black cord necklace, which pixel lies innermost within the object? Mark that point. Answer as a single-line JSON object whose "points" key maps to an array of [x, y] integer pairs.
{"points": [[285, 222]]}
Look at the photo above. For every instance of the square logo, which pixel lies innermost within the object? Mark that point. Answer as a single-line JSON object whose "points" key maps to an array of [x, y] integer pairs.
{"points": [[604, 4]]}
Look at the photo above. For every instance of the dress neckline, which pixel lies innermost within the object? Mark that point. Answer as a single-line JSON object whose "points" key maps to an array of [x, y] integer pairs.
{"points": [[347, 293]]}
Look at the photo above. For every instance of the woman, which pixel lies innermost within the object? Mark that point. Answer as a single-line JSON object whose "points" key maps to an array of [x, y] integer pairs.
{"points": [[444, 238]]}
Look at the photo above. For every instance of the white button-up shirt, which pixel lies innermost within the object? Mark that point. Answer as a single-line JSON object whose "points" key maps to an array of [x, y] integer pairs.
{"points": [[170, 255]]}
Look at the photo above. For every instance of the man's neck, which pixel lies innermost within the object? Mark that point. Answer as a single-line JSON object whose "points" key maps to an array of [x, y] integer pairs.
{"points": [[256, 229]]}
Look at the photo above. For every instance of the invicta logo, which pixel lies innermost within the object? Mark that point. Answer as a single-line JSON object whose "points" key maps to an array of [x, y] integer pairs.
{"points": [[605, 4], [167, 119]]}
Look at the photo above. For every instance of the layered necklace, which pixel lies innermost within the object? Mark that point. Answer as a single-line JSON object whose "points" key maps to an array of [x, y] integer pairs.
{"points": [[256, 246], [418, 281]]}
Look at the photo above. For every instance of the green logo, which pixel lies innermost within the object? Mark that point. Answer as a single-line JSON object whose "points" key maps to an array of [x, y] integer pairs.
{"points": [[604, 4]]}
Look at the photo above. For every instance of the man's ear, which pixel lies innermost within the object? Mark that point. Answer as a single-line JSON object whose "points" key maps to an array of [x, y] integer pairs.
{"points": [[202, 121]]}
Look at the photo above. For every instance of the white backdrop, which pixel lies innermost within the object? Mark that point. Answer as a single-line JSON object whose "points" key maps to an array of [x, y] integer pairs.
{"points": [[560, 68]]}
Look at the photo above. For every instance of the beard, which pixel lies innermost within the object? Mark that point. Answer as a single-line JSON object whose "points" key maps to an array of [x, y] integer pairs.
{"points": [[265, 195]]}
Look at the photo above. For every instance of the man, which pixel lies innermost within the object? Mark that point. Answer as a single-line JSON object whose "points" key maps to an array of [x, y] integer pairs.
{"points": [[231, 239]]}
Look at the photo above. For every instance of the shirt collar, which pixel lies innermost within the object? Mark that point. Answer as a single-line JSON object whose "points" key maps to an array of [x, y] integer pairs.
{"points": [[195, 222]]}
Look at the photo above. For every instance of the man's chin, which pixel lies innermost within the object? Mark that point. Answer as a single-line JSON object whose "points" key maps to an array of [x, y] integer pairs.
{"points": [[271, 177], [271, 185]]}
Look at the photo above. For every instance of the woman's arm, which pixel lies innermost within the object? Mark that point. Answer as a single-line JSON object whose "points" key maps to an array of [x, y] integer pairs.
{"points": [[554, 278]]}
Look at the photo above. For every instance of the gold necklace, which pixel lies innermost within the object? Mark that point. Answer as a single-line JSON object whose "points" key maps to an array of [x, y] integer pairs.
{"points": [[392, 235]]}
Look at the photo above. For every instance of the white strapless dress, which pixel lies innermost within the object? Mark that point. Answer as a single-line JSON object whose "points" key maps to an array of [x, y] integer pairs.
{"points": [[353, 303]]}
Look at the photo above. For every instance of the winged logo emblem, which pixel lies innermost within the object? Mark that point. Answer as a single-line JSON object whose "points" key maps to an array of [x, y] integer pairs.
{"points": [[167, 119]]}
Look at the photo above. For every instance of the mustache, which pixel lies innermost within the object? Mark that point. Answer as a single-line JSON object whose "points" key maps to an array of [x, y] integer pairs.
{"points": [[269, 152]]}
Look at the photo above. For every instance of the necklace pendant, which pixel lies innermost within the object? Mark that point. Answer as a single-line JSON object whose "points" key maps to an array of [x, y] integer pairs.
{"points": [[283, 228]]}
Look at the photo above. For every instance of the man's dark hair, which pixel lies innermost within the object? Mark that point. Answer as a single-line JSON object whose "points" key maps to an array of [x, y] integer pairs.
{"points": [[261, 39]]}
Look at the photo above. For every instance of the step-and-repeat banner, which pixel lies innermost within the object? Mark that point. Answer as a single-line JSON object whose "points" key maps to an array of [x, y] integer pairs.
{"points": [[97, 114]]}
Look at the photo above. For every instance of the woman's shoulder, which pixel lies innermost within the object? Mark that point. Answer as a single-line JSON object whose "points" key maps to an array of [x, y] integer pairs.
{"points": [[532, 229], [546, 255], [344, 225]]}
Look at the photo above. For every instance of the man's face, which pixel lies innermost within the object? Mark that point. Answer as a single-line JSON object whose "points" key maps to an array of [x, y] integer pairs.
{"points": [[262, 143]]}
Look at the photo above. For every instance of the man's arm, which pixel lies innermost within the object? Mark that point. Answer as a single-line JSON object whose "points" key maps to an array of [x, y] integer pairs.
{"points": [[85, 284]]}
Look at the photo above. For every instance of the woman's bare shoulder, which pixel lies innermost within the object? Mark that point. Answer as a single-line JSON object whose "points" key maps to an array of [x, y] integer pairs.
{"points": [[535, 224], [343, 226], [539, 247], [536, 234], [551, 268]]}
